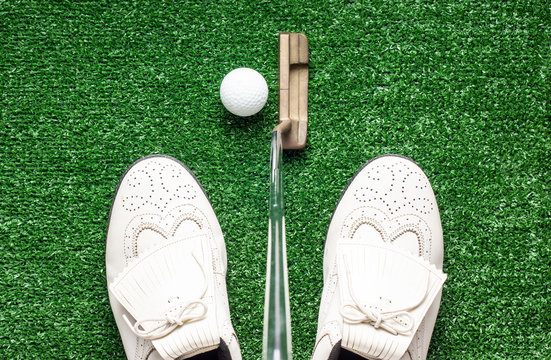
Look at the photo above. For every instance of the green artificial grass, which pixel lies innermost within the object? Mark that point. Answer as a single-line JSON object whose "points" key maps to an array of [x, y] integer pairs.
{"points": [[461, 87]]}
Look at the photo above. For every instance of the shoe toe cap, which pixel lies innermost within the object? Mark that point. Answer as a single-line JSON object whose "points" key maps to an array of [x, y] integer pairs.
{"points": [[390, 195]]}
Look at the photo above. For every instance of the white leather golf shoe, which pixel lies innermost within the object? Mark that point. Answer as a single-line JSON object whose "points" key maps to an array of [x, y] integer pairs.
{"points": [[166, 266], [382, 266]]}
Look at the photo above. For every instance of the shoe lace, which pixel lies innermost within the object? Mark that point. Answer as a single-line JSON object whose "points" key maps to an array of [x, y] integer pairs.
{"points": [[355, 313], [166, 324]]}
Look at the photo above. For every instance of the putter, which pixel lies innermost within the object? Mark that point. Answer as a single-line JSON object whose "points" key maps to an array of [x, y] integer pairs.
{"points": [[290, 133]]}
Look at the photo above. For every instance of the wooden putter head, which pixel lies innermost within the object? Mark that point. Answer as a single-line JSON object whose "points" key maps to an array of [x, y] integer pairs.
{"points": [[293, 90]]}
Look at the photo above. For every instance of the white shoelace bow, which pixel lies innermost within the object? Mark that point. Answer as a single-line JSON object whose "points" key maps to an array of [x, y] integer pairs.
{"points": [[387, 320], [378, 319], [165, 325]]}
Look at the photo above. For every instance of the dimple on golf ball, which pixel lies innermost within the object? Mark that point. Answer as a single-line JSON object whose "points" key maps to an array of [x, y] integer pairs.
{"points": [[244, 92]]}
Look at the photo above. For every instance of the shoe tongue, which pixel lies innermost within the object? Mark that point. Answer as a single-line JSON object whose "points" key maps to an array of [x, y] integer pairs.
{"points": [[385, 293], [172, 284]]}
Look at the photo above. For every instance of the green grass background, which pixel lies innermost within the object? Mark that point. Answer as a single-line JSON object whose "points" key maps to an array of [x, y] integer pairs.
{"points": [[462, 87]]}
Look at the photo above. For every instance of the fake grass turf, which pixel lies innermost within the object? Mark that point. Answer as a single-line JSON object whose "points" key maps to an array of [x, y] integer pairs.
{"points": [[462, 87]]}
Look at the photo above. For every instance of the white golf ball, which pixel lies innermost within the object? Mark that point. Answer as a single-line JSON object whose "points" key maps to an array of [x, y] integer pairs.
{"points": [[244, 92]]}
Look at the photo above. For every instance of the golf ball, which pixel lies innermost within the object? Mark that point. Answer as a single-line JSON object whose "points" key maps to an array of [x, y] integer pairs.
{"points": [[244, 92]]}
